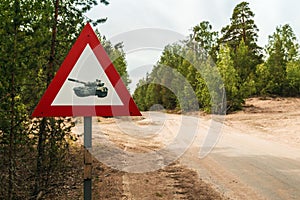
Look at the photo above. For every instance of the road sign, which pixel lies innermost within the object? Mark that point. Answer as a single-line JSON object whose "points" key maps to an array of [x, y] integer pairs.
{"points": [[86, 84]]}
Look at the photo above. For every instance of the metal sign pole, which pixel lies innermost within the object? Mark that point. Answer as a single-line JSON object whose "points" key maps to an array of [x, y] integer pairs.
{"points": [[87, 158]]}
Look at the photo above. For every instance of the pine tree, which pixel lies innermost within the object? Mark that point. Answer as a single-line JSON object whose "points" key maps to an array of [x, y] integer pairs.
{"points": [[281, 49], [242, 27], [35, 38], [204, 40], [230, 79], [241, 35], [244, 63], [13, 56]]}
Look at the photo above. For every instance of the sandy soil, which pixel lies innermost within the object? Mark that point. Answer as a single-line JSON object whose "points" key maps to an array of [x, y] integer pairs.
{"points": [[256, 157], [170, 182], [276, 119]]}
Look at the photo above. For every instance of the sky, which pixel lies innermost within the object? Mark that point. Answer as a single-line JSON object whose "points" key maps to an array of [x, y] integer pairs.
{"points": [[131, 20]]}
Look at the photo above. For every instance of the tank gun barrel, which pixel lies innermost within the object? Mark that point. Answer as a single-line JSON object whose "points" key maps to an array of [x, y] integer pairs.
{"points": [[77, 81]]}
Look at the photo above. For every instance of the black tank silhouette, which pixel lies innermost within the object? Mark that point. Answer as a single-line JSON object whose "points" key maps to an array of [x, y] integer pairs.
{"points": [[95, 88]]}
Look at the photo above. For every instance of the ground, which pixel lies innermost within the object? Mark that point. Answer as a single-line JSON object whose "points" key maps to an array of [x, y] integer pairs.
{"points": [[277, 118], [265, 131]]}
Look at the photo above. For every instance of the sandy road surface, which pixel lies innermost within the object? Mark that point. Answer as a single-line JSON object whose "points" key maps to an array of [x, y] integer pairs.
{"points": [[257, 155], [247, 167], [134, 147]]}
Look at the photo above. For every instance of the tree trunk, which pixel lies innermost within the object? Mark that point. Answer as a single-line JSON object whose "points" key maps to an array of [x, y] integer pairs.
{"points": [[53, 43], [43, 123], [40, 157], [11, 164]]}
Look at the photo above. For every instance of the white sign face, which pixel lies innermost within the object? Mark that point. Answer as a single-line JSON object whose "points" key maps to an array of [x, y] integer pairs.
{"points": [[87, 71]]}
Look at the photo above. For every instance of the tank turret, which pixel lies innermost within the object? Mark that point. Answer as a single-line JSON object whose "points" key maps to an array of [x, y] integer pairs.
{"points": [[95, 88]]}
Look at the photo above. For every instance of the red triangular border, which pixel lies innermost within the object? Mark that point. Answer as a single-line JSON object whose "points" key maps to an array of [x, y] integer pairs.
{"points": [[87, 36]]}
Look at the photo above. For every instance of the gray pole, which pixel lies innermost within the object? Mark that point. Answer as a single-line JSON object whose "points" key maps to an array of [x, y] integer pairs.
{"points": [[87, 158]]}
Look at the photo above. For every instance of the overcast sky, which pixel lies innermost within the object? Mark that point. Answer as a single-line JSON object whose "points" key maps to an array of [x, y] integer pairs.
{"points": [[180, 16]]}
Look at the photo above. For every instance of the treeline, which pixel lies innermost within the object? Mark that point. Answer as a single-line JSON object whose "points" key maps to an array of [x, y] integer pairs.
{"points": [[35, 37], [212, 69]]}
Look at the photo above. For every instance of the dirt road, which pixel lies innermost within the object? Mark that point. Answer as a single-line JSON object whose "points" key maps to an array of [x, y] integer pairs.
{"points": [[244, 166], [257, 155]]}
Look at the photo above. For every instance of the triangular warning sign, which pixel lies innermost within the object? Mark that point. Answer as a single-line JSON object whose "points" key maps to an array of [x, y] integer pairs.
{"points": [[86, 84]]}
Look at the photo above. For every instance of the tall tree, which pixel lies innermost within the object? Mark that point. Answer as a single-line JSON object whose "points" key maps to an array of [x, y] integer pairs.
{"points": [[241, 35], [204, 40], [282, 48], [285, 41], [230, 79], [12, 108], [242, 27], [35, 37], [244, 64]]}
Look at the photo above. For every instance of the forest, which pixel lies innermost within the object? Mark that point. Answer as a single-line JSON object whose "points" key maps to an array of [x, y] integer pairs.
{"points": [[36, 36], [219, 70]]}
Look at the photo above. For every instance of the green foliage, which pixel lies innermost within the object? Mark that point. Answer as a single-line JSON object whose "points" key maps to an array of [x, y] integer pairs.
{"points": [[245, 66], [230, 79], [117, 56], [180, 80], [293, 77], [205, 40], [284, 42], [210, 88], [35, 37], [241, 36], [282, 49], [239, 69], [243, 61], [242, 27], [140, 94], [262, 80]]}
